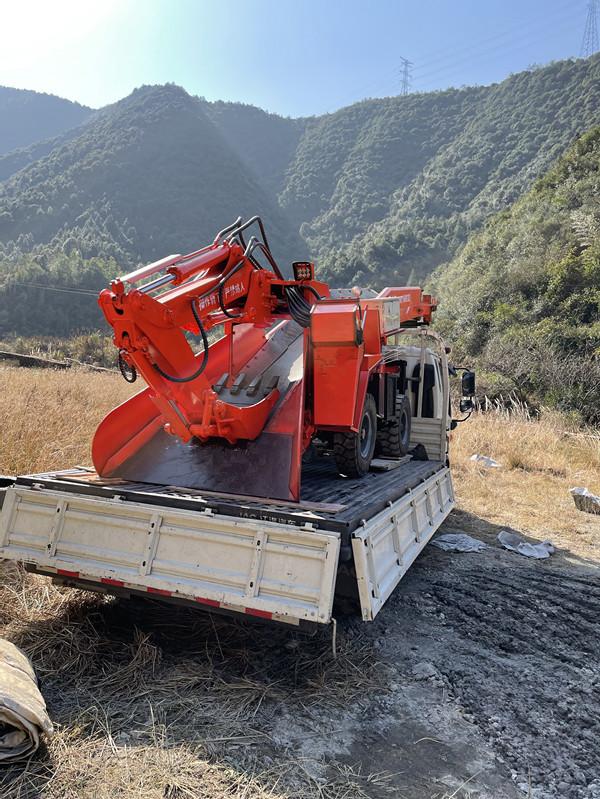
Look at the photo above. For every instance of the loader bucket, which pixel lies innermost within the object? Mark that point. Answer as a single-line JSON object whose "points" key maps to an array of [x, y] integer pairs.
{"points": [[131, 444]]}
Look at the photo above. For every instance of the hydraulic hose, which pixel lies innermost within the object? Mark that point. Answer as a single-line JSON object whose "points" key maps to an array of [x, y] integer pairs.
{"points": [[128, 371], [312, 290], [202, 366], [221, 287], [264, 244], [299, 307]]}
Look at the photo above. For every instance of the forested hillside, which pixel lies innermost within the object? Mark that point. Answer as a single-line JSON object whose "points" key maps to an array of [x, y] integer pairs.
{"points": [[265, 142], [523, 297], [426, 170], [381, 192], [29, 117], [148, 175]]}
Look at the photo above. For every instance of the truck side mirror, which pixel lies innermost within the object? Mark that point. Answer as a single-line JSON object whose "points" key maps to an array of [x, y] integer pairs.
{"points": [[466, 405], [468, 383]]}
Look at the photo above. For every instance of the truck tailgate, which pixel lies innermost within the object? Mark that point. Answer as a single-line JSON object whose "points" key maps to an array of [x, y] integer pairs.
{"points": [[386, 546], [251, 566]]}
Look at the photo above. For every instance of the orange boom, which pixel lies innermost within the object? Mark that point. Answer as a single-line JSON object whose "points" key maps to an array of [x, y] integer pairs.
{"points": [[296, 365]]}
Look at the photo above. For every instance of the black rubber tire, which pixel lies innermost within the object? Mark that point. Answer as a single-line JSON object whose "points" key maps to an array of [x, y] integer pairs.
{"points": [[353, 452], [393, 438]]}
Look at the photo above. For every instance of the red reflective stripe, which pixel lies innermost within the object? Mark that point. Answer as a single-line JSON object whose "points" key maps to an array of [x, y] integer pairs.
{"points": [[109, 581], [160, 591], [264, 614], [212, 602], [66, 573]]}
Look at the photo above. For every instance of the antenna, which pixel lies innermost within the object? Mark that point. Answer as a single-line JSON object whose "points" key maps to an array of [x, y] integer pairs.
{"points": [[406, 75], [589, 45]]}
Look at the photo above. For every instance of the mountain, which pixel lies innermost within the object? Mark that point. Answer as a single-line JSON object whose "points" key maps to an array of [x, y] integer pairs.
{"points": [[29, 117], [389, 189], [265, 142], [350, 166], [381, 192], [522, 299], [15, 160], [146, 176]]}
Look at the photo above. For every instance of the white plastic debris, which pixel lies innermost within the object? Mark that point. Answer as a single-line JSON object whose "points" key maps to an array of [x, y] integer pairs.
{"points": [[515, 543], [458, 542], [585, 500], [483, 460], [23, 716]]}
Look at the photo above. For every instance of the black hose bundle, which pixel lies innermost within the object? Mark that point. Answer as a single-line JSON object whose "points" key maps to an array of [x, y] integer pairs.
{"points": [[299, 307], [202, 366]]}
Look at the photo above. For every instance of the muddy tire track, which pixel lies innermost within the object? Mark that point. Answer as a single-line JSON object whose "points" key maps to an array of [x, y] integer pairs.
{"points": [[518, 648]]}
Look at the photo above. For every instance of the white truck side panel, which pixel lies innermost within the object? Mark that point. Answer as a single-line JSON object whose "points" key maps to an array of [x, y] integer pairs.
{"points": [[262, 568], [386, 546], [431, 433]]}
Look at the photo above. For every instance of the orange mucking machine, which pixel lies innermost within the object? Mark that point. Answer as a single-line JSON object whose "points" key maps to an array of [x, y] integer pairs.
{"points": [[282, 364]]}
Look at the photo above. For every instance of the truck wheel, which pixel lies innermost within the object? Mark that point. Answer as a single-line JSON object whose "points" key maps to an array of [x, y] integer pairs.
{"points": [[393, 437], [354, 451]]}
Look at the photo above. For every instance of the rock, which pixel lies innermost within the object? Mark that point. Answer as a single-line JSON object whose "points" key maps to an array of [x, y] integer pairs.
{"points": [[585, 500], [424, 670]]}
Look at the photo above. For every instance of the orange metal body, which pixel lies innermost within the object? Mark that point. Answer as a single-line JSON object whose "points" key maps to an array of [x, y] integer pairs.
{"points": [[325, 367]]}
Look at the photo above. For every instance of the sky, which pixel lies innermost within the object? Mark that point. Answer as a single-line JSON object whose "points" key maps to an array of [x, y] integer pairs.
{"points": [[292, 57]]}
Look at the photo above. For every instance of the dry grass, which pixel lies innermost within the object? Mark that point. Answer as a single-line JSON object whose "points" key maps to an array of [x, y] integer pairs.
{"points": [[541, 459], [100, 768], [48, 418], [169, 703]]}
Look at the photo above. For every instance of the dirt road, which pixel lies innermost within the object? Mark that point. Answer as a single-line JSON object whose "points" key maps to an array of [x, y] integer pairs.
{"points": [[480, 678], [513, 651]]}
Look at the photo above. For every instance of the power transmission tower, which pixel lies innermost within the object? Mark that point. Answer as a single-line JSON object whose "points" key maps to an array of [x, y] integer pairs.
{"points": [[405, 75], [589, 45]]}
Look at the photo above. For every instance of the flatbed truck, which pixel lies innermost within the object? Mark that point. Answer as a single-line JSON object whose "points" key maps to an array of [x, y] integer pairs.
{"points": [[272, 559]]}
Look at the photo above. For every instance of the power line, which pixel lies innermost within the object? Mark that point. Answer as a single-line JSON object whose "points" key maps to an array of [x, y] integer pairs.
{"points": [[558, 16], [519, 40], [589, 44], [445, 62], [406, 75], [65, 290]]}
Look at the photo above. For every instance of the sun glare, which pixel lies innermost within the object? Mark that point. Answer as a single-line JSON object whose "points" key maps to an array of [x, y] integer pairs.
{"points": [[32, 30]]}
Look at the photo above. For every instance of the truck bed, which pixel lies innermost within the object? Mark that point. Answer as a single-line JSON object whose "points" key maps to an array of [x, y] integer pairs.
{"points": [[329, 501], [264, 557]]}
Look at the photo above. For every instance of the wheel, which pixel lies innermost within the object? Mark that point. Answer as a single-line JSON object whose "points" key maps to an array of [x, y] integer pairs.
{"points": [[393, 437], [354, 451]]}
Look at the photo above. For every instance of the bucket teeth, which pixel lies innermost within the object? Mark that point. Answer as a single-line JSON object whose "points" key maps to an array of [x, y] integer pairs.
{"points": [[254, 386], [221, 383], [239, 381]]}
